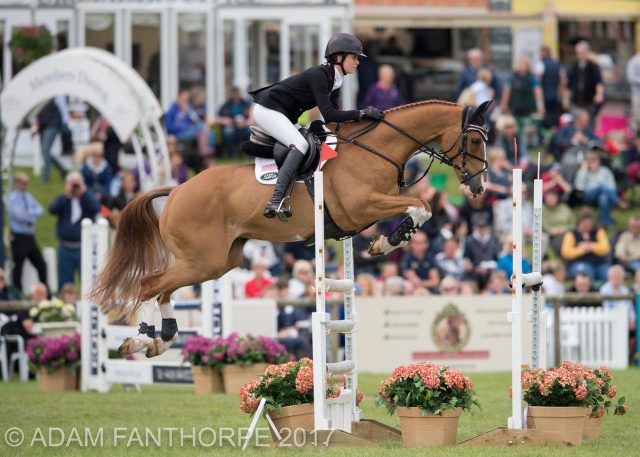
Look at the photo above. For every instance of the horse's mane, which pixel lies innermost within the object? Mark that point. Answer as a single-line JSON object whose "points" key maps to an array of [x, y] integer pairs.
{"points": [[408, 105], [422, 102]]}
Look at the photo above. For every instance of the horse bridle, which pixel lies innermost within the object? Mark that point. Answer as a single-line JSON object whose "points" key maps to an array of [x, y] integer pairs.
{"points": [[440, 156]]}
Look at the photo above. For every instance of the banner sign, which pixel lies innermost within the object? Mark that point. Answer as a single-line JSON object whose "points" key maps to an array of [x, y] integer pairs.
{"points": [[467, 333]]}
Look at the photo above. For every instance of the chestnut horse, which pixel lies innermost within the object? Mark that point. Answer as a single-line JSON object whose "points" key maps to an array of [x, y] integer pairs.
{"points": [[207, 220]]}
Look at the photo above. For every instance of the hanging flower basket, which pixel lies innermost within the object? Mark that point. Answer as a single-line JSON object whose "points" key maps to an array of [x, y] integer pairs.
{"points": [[29, 43]]}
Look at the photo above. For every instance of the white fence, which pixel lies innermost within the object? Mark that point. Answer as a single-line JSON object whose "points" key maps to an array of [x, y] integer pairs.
{"points": [[592, 336]]}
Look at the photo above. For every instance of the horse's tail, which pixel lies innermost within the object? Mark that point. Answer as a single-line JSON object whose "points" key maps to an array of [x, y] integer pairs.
{"points": [[137, 251]]}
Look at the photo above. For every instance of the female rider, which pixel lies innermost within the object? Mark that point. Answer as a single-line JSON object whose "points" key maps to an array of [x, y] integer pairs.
{"points": [[278, 107]]}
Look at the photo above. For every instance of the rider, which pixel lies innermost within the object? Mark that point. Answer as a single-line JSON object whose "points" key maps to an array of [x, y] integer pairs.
{"points": [[277, 108]]}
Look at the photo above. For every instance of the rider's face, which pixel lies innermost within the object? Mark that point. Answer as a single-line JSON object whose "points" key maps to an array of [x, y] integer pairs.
{"points": [[351, 62]]}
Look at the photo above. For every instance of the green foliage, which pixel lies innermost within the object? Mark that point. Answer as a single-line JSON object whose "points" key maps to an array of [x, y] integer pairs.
{"points": [[29, 43], [430, 387]]}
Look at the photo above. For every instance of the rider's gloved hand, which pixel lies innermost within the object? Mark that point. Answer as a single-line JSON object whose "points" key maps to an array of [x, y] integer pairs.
{"points": [[373, 114]]}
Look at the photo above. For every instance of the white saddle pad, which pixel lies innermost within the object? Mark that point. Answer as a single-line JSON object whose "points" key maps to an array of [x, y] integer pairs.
{"points": [[266, 170]]}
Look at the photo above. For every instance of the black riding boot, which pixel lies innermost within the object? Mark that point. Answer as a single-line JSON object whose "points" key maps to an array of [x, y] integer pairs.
{"points": [[286, 174]]}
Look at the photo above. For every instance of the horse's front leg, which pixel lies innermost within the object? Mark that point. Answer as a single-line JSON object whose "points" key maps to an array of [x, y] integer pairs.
{"points": [[386, 207]]}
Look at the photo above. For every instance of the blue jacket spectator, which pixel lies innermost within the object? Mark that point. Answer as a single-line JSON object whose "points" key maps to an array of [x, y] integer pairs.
{"points": [[182, 121], [75, 204]]}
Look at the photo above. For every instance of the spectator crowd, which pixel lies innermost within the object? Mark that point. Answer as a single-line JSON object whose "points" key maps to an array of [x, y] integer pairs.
{"points": [[464, 249]]}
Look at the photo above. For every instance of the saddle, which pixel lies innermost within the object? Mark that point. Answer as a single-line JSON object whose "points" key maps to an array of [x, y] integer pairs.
{"points": [[262, 145]]}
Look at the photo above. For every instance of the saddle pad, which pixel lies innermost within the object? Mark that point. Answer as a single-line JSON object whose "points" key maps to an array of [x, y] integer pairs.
{"points": [[266, 170]]}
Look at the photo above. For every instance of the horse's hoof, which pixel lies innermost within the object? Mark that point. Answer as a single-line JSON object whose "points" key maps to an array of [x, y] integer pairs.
{"points": [[158, 346], [374, 246], [131, 346]]}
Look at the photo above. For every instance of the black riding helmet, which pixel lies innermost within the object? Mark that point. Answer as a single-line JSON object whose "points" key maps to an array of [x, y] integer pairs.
{"points": [[342, 43]]}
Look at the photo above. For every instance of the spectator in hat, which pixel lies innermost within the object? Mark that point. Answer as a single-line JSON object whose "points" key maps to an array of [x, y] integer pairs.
{"points": [[587, 248]]}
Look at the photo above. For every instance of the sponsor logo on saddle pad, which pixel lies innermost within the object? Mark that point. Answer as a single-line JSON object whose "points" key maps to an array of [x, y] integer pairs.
{"points": [[266, 170], [269, 176]]}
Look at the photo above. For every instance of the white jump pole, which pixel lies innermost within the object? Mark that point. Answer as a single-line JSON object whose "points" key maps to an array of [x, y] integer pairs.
{"points": [[515, 421], [336, 413], [320, 409], [538, 317]]}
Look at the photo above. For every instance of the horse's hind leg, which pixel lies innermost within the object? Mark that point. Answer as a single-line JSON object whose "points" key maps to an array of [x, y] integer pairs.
{"points": [[146, 334], [181, 274], [169, 333]]}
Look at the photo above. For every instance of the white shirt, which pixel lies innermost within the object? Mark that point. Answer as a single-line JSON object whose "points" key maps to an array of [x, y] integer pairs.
{"points": [[608, 289], [481, 90], [337, 82]]}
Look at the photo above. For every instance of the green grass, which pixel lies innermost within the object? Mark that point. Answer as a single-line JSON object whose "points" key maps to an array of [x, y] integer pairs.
{"points": [[25, 407]]}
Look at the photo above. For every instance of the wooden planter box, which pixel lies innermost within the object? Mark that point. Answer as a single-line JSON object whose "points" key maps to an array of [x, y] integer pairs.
{"points": [[431, 430], [290, 418], [566, 423], [592, 426], [235, 377], [206, 380], [61, 380]]}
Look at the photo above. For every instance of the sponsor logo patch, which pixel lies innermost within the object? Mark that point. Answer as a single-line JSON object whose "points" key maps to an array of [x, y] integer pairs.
{"points": [[269, 176]]}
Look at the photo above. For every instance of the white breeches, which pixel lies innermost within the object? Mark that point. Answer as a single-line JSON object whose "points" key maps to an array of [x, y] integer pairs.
{"points": [[278, 126]]}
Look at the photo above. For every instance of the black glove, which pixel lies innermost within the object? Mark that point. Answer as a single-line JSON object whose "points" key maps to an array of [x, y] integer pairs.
{"points": [[372, 113]]}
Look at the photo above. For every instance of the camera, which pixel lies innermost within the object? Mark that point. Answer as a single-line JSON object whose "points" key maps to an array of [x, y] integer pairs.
{"points": [[75, 187]]}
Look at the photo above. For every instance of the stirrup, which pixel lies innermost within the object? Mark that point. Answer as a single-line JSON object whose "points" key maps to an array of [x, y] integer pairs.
{"points": [[283, 213]]}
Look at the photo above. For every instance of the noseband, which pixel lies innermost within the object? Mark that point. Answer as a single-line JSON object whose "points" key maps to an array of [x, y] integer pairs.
{"points": [[440, 156]]}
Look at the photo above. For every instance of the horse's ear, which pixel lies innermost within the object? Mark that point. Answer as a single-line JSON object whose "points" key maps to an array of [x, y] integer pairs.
{"points": [[478, 115]]}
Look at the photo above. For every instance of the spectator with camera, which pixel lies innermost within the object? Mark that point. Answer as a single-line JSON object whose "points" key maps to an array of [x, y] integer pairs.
{"points": [[70, 207]]}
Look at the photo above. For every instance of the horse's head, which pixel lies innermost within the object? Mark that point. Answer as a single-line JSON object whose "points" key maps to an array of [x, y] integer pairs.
{"points": [[469, 155]]}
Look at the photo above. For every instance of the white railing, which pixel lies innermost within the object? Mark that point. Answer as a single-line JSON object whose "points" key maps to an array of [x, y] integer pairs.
{"points": [[592, 336]]}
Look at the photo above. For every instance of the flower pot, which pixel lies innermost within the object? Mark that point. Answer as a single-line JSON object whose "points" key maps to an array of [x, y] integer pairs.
{"points": [[290, 418], [60, 380], [431, 430], [235, 376], [206, 380], [592, 426], [564, 422], [55, 329]]}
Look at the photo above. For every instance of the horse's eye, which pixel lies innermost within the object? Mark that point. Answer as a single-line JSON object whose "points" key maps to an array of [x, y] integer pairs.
{"points": [[475, 142]]}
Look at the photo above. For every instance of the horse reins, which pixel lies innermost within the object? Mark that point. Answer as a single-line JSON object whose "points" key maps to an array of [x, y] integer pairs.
{"points": [[440, 156]]}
